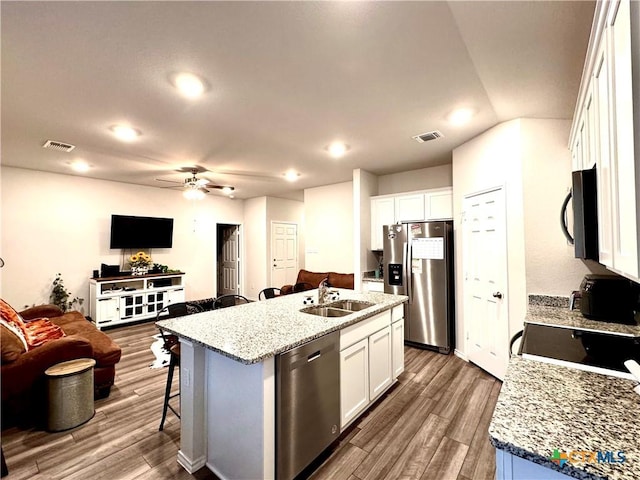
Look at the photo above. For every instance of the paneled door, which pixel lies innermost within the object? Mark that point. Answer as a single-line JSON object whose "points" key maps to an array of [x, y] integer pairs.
{"points": [[284, 253], [485, 281], [230, 260]]}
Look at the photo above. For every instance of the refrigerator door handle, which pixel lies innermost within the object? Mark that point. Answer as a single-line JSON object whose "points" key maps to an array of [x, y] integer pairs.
{"points": [[407, 274]]}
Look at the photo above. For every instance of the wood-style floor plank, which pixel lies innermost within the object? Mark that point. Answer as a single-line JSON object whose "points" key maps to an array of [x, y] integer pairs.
{"points": [[432, 424]]}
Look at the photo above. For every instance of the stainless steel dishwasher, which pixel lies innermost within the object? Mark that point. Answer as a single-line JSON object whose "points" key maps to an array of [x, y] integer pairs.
{"points": [[307, 403]]}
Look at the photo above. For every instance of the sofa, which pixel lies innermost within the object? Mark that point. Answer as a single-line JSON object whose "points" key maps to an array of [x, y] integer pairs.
{"points": [[313, 279], [22, 370]]}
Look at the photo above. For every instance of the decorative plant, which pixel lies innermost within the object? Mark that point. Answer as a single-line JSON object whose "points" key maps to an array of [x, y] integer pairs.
{"points": [[158, 267], [140, 259], [60, 295]]}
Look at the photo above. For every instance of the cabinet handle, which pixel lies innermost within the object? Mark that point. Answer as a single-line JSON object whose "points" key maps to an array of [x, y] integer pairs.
{"points": [[497, 295]]}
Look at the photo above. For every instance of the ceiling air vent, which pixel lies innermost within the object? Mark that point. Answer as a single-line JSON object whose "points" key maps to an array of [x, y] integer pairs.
{"points": [[425, 137], [59, 146]]}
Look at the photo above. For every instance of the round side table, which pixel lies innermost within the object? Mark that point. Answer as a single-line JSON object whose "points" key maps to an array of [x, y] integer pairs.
{"points": [[70, 393]]}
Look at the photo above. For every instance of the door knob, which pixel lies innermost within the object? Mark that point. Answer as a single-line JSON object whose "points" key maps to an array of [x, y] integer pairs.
{"points": [[497, 295]]}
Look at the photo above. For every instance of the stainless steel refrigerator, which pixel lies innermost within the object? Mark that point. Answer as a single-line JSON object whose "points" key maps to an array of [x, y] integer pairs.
{"points": [[418, 262]]}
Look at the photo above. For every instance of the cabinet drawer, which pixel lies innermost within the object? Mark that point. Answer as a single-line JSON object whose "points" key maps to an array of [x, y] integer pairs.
{"points": [[358, 331], [397, 313]]}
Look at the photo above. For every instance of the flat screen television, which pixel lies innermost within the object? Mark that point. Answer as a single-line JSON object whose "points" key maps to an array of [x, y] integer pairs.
{"points": [[141, 232]]}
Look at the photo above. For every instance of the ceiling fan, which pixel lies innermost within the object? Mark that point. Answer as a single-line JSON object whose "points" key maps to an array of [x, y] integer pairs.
{"points": [[195, 188]]}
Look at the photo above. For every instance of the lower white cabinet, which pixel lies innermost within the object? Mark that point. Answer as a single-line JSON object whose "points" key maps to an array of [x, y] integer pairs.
{"points": [[379, 362], [369, 360], [397, 347], [108, 309], [354, 381]]}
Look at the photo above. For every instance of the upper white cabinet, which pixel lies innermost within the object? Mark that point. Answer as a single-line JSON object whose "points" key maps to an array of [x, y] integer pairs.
{"points": [[436, 204], [606, 131]]}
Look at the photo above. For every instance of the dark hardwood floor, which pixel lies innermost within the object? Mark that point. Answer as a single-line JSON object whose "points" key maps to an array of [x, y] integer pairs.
{"points": [[432, 425]]}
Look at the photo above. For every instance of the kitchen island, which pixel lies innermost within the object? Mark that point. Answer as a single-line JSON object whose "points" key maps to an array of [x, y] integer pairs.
{"points": [[227, 375]]}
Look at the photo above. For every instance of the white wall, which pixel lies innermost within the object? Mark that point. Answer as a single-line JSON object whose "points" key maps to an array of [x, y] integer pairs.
{"points": [[421, 179], [255, 235], [55, 223], [551, 268], [328, 213], [491, 160], [365, 185]]}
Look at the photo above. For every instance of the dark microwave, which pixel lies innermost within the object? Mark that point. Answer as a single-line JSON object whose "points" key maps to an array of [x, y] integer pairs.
{"points": [[584, 200]]}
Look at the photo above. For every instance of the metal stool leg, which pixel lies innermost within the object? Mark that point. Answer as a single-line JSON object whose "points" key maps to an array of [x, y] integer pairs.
{"points": [[173, 362]]}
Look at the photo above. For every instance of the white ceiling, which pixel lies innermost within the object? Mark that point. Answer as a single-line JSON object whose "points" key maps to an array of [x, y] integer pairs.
{"points": [[285, 79]]}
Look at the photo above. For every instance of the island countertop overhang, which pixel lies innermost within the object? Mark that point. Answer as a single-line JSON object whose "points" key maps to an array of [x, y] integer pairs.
{"points": [[254, 332]]}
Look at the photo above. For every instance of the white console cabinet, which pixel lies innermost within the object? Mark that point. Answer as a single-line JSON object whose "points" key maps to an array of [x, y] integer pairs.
{"points": [[120, 300]]}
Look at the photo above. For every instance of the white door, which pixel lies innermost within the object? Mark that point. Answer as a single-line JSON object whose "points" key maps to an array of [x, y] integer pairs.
{"points": [[230, 260], [485, 281], [284, 253]]}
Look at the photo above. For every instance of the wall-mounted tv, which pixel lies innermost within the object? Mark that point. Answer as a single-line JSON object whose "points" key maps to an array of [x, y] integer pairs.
{"points": [[141, 232]]}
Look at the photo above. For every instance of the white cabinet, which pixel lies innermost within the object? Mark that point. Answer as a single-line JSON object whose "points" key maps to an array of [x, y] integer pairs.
{"points": [[379, 362], [372, 286], [354, 381], [397, 347], [368, 362], [435, 204], [120, 300], [438, 205], [409, 207], [606, 131]]}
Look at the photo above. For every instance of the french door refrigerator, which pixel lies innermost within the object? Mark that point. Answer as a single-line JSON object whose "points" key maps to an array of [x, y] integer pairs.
{"points": [[418, 262]]}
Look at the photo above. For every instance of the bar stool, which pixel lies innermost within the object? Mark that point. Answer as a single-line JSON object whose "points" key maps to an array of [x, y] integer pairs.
{"points": [[172, 345], [270, 292]]}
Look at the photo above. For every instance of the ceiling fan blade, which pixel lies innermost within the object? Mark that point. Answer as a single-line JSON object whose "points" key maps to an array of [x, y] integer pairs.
{"points": [[169, 181], [202, 189]]}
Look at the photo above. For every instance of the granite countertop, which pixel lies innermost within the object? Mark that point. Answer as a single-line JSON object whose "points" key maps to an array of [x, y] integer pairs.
{"points": [[543, 407], [253, 332], [565, 318]]}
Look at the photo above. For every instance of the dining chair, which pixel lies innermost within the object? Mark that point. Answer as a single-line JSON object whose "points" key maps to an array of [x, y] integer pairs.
{"points": [[231, 300], [267, 293], [172, 345]]}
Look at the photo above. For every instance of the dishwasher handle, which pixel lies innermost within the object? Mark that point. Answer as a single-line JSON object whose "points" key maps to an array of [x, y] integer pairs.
{"points": [[314, 356], [299, 361]]}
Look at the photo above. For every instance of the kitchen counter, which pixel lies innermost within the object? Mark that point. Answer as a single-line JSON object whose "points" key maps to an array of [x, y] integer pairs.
{"points": [[565, 318], [543, 407], [253, 332]]}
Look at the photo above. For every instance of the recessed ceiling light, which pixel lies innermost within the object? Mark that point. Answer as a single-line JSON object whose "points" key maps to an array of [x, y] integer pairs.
{"points": [[189, 85], [337, 149], [80, 166], [124, 133], [461, 116], [291, 175]]}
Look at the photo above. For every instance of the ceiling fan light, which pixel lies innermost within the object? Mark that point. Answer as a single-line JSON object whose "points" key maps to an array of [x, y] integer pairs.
{"points": [[189, 85], [227, 190], [193, 194]]}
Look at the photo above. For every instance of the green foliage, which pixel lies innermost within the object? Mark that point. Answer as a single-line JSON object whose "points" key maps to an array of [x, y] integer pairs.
{"points": [[60, 295]]}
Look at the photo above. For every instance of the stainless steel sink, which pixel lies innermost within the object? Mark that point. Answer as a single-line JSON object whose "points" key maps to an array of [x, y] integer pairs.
{"points": [[351, 305], [326, 311]]}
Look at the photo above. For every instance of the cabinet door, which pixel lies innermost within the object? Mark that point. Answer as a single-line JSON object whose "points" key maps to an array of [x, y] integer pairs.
{"points": [[175, 296], [379, 362], [107, 311], [397, 347], [438, 205], [382, 213], [354, 381], [623, 159], [603, 152], [409, 207]]}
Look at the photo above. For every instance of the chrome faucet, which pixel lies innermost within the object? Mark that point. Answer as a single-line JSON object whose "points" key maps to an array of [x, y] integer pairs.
{"points": [[323, 291]]}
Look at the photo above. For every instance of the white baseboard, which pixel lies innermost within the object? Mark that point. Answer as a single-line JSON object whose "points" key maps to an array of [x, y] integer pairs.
{"points": [[461, 355], [189, 465]]}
